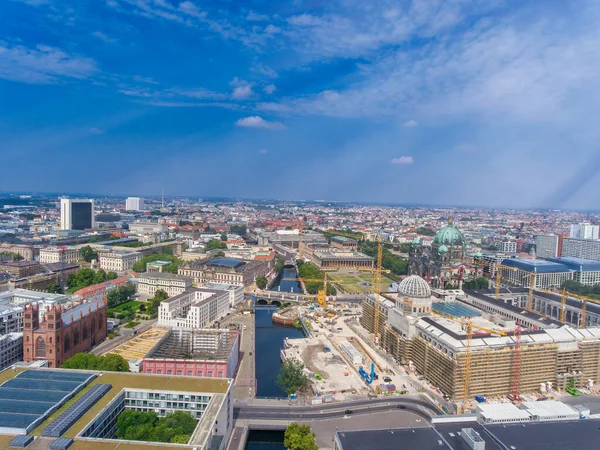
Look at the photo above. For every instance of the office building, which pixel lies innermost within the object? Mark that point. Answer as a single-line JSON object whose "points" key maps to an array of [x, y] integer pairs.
{"points": [[545, 274], [68, 255], [148, 227], [76, 214], [11, 349], [172, 284], [134, 204], [506, 246], [581, 248], [195, 308], [584, 231], [60, 333], [12, 303], [546, 246], [586, 271], [236, 292], [225, 270]]}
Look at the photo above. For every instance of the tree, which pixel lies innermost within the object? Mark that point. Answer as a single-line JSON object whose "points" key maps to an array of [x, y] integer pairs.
{"points": [[140, 265], [99, 277], [425, 231], [159, 296], [89, 361], [261, 282], [87, 253], [477, 283], [120, 295], [176, 428], [238, 229], [223, 237], [53, 288], [291, 376], [214, 245], [299, 437], [111, 276]]}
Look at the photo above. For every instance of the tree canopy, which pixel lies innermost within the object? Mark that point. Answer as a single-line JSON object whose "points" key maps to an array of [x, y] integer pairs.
{"points": [[140, 266], [299, 437], [87, 253], [53, 288], [214, 244], [261, 282], [425, 231], [159, 296], [175, 428], [291, 376], [477, 283], [87, 277], [89, 361], [120, 295], [391, 262], [310, 271], [238, 229], [575, 287]]}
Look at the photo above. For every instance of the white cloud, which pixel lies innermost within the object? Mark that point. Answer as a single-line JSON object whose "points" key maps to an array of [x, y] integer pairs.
{"points": [[272, 29], [104, 37], [264, 70], [402, 160], [263, 151], [242, 90], [410, 123], [254, 17], [35, 2], [269, 89], [95, 130], [42, 64], [259, 122], [191, 9], [145, 79]]}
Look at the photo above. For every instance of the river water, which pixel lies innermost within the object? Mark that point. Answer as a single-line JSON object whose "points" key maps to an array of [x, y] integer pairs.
{"points": [[284, 285]]}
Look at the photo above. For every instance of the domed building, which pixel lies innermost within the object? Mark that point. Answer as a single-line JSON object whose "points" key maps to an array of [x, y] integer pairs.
{"points": [[439, 263], [415, 294]]}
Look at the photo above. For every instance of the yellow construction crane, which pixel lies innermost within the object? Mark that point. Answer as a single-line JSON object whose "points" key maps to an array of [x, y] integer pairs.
{"points": [[376, 288], [467, 374], [321, 294], [584, 301], [494, 268], [563, 305]]}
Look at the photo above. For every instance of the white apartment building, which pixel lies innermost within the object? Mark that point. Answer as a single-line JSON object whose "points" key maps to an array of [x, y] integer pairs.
{"points": [[506, 246], [584, 231], [11, 349], [546, 246], [236, 292], [118, 261], [134, 204], [76, 214], [67, 255], [581, 248], [172, 284], [195, 308]]}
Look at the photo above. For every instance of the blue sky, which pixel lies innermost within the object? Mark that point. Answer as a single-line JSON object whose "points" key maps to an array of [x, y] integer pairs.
{"points": [[453, 102]]}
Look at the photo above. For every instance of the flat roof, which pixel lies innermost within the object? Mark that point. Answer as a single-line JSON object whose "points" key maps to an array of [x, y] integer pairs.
{"points": [[455, 309], [578, 264], [226, 262], [535, 265], [502, 411], [399, 439], [548, 408]]}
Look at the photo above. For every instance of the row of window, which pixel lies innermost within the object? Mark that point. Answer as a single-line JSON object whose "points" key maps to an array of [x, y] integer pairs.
{"points": [[189, 373]]}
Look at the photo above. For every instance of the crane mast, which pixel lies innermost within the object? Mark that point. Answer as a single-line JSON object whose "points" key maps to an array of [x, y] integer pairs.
{"points": [[376, 288]]}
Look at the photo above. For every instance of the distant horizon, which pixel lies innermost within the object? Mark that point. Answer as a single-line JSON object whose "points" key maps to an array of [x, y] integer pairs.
{"points": [[274, 200]]}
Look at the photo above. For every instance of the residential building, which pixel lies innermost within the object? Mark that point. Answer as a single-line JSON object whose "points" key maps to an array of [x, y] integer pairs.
{"points": [[118, 260], [148, 227], [225, 270], [236, 292], [134, 204], [99, 291], [584, 231], [11, 349], [13, 301], [546, 246], [172, 284], [60, 333], [586, 271], [506, 246], [195, 353], [195, 308], [581, 248], [68, 255], [76, 214]]}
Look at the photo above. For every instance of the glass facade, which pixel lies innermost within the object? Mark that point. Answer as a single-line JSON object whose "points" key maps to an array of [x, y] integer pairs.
{"points": [[81, 216]]}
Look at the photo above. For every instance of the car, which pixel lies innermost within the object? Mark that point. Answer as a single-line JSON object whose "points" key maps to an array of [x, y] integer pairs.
{"points": [[348, 412], [245, 326], [387, 379], [401, 407], [250, 353]]}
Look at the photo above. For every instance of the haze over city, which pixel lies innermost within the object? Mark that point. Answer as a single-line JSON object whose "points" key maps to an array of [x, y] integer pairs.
{"points": [[486, 103]]}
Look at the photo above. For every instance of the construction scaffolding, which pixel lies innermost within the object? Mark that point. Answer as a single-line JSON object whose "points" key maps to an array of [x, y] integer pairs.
{"points": [[204, 344], [139, 346]]}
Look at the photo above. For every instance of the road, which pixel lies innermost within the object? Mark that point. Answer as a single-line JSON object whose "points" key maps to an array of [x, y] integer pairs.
{"points": [[420, 407]]}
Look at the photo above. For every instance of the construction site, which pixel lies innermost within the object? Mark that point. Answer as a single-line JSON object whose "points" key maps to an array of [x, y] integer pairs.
{"points": [[503, 343]]}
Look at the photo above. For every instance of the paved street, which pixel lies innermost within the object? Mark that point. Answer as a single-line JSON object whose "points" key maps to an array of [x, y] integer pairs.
{"points": [[245, 386]]}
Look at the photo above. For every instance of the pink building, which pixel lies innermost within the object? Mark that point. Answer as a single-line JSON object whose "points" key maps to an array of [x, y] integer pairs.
{"points": [[211, 353]]}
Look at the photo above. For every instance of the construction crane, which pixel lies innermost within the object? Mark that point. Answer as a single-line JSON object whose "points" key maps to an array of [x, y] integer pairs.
{"points": [[516, 364], [532, 282], [467, 371], [497, 268], [322, 293], [563, 305], [376, 288]]}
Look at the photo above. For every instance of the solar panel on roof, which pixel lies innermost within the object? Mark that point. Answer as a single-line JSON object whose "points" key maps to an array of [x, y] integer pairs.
{"points": [[54, 375], [72, 414], [61, 444], [51, 385], [21, 441], [27, 407], [30, 394]]}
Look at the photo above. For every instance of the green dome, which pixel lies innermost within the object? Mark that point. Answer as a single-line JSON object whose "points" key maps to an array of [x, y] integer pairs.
{"points": [[443, 249], [478, 255], [416, 241], [449, 235]]}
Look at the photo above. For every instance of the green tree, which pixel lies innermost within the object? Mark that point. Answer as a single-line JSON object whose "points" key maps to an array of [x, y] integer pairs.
{"points": [[114, 363], [425, 231], [214, 245], [180, 439], [87, 253], [53, 288], [111, 276], [89, 361], [175, 428], [279, 265], [140, 265], [159, 296], [120, 295], [238, 229], [310, 271], [261, 282], [291, 376], [223, 236], [477, 283], [299, 437], [99, 277]]}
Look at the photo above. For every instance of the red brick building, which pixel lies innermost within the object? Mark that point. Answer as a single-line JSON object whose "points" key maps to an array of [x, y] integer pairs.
{"points": [[61, 333]]}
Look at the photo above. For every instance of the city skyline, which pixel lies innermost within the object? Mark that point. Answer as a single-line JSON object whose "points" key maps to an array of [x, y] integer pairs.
{"points": [[420, 103]]}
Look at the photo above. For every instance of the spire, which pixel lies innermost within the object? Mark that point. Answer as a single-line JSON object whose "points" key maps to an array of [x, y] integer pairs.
{"points": [[450, 220]]}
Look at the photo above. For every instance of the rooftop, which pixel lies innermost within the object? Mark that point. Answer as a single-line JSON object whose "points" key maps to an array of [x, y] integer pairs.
{"points": [[226, 262], [342, 239], [82, 310], [535, 265], [163, 276], [139, 346], [578, 264]]}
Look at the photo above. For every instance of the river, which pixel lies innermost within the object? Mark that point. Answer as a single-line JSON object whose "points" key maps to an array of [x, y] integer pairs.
{"points": [[283, 285]]}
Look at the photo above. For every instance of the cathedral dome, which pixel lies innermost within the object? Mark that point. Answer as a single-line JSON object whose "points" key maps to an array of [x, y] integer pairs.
{"points": [[449, 235], [443, 249], [415, 287]]}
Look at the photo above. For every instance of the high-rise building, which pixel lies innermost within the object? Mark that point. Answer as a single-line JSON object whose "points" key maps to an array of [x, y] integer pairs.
{"points": [[584, 231], [134, 204], [76, 214], [546, 246], [581, 248]]}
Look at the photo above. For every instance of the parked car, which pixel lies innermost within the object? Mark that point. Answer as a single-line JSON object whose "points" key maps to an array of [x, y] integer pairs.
{"points": [[401, 407], [387, 379], [348, 412]]}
